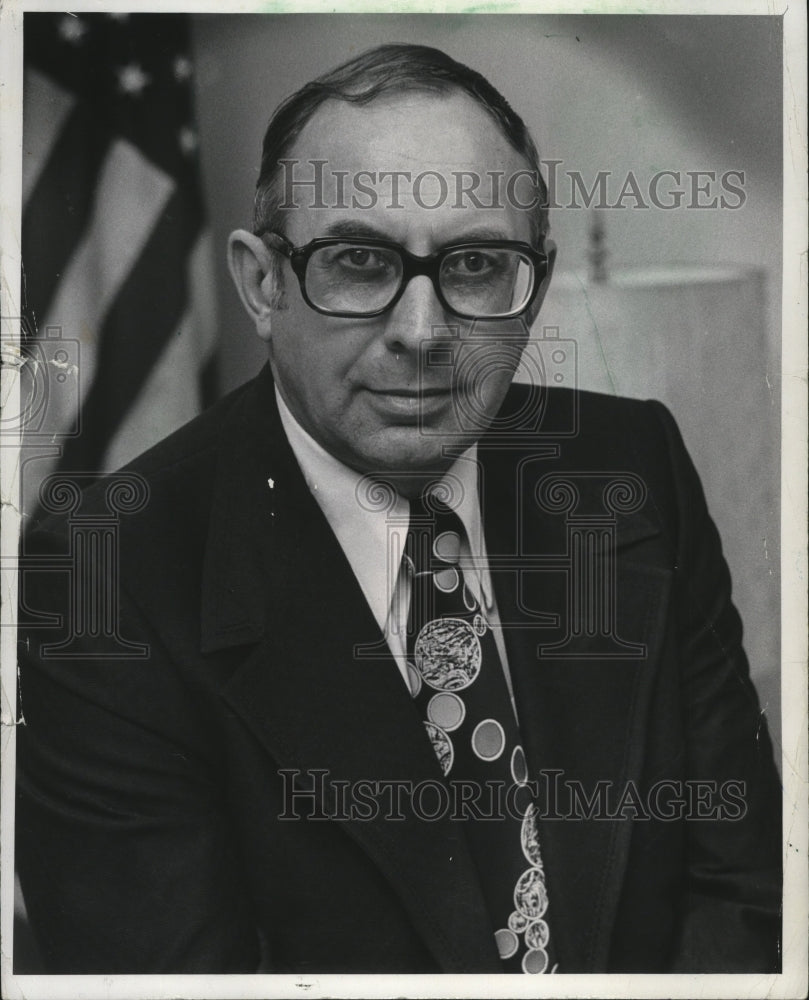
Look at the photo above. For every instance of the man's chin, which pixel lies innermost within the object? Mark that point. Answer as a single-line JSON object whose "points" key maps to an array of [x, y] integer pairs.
{"points": [[410, 457]]}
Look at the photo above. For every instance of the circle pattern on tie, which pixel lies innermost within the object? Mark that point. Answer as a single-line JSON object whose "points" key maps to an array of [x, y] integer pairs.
{"points": [[448, 654], [519, 768], [446, 710], [413, 679], [518, 922], [535, 962], [507, 942], [442, 745], [537, 934], [529, 838], [447, 547], [530, 894], [488, 739], [446, 579]]}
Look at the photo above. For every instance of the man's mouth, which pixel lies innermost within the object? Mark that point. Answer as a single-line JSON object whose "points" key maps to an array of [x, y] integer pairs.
{"points": [[412, 404], [408, 393]]}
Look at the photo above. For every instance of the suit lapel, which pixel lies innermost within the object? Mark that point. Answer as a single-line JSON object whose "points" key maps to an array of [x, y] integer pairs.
{"points": [[320, 691], [582, 718]]}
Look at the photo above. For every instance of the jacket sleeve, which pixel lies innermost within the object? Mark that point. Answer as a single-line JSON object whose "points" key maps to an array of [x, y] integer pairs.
{"points": [[122, 844], [731, 918]]}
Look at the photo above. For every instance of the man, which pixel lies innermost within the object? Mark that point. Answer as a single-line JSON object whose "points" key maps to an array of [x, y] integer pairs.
{"points": [[439, 674]]}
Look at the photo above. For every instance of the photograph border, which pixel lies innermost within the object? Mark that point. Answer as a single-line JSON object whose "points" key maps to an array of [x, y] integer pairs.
{"points": [[792, 982]]}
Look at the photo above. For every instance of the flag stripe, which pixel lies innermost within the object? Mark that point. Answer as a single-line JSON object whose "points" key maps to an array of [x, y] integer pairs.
{"points": [[203, 293], [59, 209], [145, 313], [47, 106], [159, 408], [130, 196]]}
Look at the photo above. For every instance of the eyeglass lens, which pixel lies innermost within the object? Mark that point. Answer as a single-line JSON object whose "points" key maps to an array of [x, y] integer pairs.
{"points": [[485, 282]]}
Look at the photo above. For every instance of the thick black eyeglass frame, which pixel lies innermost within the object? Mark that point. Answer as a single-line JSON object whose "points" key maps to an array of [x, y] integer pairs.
{"points": [[412, 265]]}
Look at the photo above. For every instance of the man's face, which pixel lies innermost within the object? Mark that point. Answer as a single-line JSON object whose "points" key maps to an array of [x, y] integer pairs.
{"points": [[360, 386]]}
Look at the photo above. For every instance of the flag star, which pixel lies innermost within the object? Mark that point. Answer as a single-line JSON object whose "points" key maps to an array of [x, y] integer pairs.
{"points": [[188, 140], [72, 29], [132, 79], [182, 68]]}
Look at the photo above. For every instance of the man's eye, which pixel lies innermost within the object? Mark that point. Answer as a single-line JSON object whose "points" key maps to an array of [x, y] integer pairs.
{"points": [[474, 262], [362, 258], [471, 263], [358, 257]]}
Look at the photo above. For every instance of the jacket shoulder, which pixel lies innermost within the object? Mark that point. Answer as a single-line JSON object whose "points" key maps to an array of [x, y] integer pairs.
{"points": [[186, 456], [584, 419], [593, 435]]}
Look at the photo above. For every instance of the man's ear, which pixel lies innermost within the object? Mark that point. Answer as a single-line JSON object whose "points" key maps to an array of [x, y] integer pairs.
{"points": [[536, 305], [251, 267]]}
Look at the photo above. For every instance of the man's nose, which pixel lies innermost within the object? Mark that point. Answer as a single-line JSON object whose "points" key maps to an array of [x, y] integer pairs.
{"points": [[414, 317]]}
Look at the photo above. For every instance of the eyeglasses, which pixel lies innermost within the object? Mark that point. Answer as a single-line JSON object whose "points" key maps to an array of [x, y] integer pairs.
{"points": [[492, 279]]}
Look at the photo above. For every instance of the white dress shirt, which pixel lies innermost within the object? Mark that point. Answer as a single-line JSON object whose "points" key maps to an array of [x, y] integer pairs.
{"points": [[373, 536]]}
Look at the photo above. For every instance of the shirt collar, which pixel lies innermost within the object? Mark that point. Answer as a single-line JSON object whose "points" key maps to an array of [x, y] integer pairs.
{"points": [[363, 530]]}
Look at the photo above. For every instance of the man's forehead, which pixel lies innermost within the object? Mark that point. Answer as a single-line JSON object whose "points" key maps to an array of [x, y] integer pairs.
{"points": [[423, 130], [434, 165]]}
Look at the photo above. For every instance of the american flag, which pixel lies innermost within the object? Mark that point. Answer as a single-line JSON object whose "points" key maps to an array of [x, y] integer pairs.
{"points": [[119, 314]]}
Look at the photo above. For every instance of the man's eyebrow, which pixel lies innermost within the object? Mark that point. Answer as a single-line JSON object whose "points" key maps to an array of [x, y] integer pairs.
{"points": [[344, 227], [362, 230], [481, 233]]}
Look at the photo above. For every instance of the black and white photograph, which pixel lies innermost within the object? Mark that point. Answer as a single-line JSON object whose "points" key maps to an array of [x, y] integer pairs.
{"points": [[403, 466]]}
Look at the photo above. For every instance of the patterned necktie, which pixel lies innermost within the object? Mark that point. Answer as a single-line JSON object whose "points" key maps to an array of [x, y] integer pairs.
{"points": [[459, 687]]}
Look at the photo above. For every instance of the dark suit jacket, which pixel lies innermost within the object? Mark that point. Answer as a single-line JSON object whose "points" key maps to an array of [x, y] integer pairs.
{"points": [[148, 830]]}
